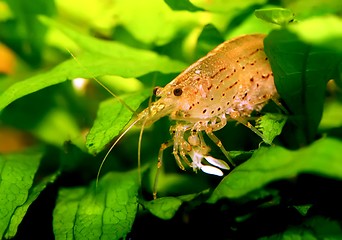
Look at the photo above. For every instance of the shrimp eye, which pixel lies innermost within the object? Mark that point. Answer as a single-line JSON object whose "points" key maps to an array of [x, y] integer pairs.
{"points": [[177, 92], [155, 90]]}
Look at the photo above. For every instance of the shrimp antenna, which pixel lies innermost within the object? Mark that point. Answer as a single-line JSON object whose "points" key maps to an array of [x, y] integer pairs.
{"points": [[111, 148], [101, 84], [141, 134], [139, 150], [121, 101]]}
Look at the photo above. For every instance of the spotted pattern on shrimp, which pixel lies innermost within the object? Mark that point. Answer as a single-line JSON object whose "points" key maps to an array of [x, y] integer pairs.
{"points": [[230, 82]]}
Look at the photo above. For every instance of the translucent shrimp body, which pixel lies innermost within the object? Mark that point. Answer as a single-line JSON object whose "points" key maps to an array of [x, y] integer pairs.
{"points": [[230, 82]]}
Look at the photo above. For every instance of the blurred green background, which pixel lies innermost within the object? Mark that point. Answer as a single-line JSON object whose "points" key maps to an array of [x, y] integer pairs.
{"points": [[47, 47]]}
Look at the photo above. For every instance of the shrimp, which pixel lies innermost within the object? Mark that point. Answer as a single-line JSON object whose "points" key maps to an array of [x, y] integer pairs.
{"points": [[229, 83]]}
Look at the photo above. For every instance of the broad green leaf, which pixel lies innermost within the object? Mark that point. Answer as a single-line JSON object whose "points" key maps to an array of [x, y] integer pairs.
{"points": [[324, 228], [293, 234], [164, 208], [248, 24], [151, 22], [58, 121], [17, 172], [154, 22], [274, 163], [110, 48], [314, 228], [240, 156], [20, 211], [270, 125], [105, 212], [99, 14], [303, 209], [301, 72], [209, 38], [224, 6], [280, 16], [327, 34], [49, 119], [120, 84], [111, 118], [182, 5], [106, 58], [308, 9]]}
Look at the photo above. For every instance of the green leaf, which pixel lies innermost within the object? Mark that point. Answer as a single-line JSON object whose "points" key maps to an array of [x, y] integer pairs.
{"points": [[280, 16], [111, 48], [274, 163], [247, 23], [270, 125], [150, 22], [209, 38], [105, 58], [293, 234], [324, 228], [303, 209], [111, 118], [107, 212], [17, 192], [314, 228], [327, 34], [301, 72], [182, 5], [49, 120], [308, 9], [20, 211], [223, 6], [57, 120], [164, 208], [153, 22]]}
